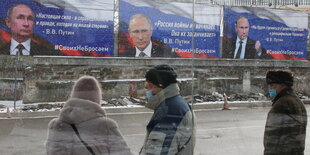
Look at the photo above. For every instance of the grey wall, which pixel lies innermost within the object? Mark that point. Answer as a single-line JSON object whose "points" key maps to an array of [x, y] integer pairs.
{"points": [[44, 79]]}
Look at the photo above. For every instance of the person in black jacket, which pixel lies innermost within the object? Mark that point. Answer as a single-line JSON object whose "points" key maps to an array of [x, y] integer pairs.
{"points": [[242, 46], [20, 20], [285, 129], [140, 31]]}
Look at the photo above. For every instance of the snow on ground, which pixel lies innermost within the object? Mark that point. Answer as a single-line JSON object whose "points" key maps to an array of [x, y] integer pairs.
{"points": [[127, 102], [19, 105]]}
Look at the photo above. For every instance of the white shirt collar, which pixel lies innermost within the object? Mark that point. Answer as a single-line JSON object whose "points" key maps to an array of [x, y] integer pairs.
{"points": [[14, 44], [243, 41], [147, 50]]}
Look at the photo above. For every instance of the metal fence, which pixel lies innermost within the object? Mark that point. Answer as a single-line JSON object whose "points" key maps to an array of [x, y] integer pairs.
{"points": [[261, 2]]}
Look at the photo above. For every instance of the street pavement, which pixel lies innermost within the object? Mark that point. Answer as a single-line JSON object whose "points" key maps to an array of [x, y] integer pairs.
{"points": [[230, 132]]}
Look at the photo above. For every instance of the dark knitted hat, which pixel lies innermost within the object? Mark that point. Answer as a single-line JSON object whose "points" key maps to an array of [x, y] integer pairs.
{"points": [[87, 88], [161, 76], [280, 77]]}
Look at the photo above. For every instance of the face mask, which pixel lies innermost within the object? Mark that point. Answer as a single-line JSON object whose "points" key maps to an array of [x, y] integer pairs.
{"points": [[272, 93], [149, 94]]}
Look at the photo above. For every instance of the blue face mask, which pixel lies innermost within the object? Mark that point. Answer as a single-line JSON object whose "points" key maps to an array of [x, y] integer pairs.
{"points": [[149, 94], [272, 93]]}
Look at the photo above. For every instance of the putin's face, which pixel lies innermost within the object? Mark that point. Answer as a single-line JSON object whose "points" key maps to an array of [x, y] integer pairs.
{"points": [[21, 23], [140, 32], [242, 28]]}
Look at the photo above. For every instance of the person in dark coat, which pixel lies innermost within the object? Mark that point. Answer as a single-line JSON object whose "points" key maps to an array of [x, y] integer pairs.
{"points": [[285, 129], [156, 51], [242, 46], [171, 129], [140, 31], [35, 49], [99, 134], [21, 20]]}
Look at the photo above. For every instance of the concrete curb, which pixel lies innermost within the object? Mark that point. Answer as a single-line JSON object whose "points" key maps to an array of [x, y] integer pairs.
{"points": [[34, 120], [118, 110]]}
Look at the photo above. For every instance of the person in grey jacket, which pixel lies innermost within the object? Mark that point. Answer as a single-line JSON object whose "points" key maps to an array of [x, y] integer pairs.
{"points": [[171, 129], [285, 130], [82, 127]]}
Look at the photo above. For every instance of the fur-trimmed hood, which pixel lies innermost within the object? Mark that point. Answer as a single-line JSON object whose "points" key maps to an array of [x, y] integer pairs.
{"points": [[77, 110], [97, 130], [87, 88]]}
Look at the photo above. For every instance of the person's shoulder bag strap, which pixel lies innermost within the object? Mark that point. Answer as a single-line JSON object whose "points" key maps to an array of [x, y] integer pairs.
{"points": [[85, 144]]}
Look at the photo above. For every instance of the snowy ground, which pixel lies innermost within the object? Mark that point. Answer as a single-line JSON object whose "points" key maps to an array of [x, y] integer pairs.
{"points": [[20, 107], [126, 102], [214, 98]]}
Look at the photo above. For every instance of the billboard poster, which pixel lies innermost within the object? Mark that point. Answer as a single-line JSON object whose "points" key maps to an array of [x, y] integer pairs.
{"points": [[57, 27], [263, 33], [167, 29]]}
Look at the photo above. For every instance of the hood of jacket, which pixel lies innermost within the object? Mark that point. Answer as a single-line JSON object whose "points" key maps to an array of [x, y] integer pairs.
{"points": [[76, 111], [170, 91]]}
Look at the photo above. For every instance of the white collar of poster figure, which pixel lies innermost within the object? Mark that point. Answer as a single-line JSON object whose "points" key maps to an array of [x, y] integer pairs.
{"points": [[244, 41], [147, 51], [14, 44]]}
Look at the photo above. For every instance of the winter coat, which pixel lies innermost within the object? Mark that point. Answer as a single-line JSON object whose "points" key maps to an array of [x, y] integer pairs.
{"points": [[98, 131], [285, 129], [171, 128]]}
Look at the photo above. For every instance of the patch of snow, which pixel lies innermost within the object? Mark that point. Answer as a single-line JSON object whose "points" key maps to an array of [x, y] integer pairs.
{"points": [[223, 78], [139, 80], [186, 79], [124, 80], [119, 107], [259, 77], [61, 82], [18, 79]]}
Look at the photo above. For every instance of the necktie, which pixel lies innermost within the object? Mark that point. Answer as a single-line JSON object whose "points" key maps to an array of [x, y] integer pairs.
{"points": [[239, 50], [20, 48], [142, 54]]}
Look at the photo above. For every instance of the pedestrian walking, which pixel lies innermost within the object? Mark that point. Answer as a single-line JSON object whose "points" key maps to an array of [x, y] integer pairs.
{"points": [[171, 129], [82, 127], [285, 129]]}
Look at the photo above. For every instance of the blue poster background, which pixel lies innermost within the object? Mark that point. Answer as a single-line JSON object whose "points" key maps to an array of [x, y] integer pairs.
{"points": [[273, 33], [175, 30]]}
